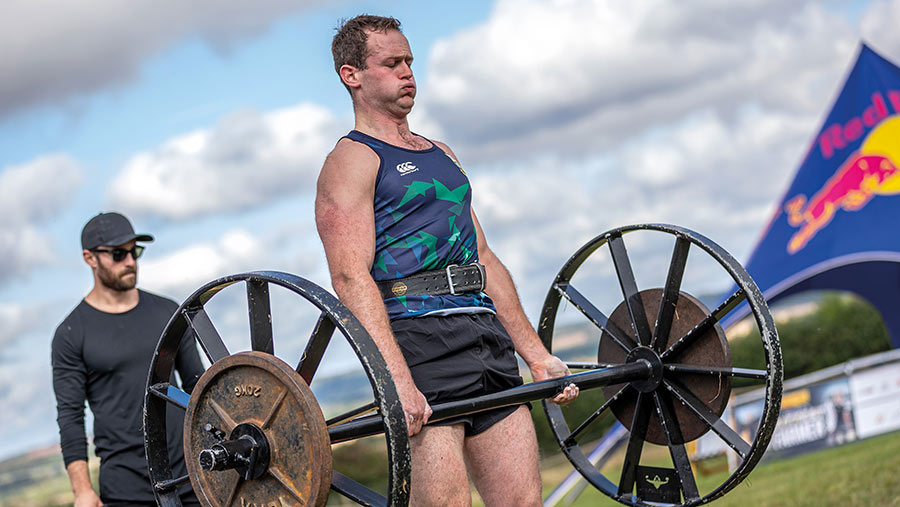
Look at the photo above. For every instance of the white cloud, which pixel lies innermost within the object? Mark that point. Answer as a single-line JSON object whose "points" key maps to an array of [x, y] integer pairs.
{"points": [[574, 77], [703, 173], [26, 392], [291, 247], [15, 319], [181, 272], [879, 27], [54, 50], [30, 194], [246, 160]]}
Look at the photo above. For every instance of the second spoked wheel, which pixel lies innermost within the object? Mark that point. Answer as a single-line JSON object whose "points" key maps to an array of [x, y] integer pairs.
{"points": [[693, 369]]}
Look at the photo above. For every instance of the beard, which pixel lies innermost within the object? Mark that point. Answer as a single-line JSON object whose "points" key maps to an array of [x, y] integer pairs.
{"points": [[117, 282]]}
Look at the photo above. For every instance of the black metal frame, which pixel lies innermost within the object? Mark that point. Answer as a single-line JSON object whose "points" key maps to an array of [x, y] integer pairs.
{"points": [[661, 399], [191, 320]]}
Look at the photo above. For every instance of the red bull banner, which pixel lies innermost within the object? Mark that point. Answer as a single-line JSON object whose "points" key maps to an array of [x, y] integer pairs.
{"points": [[838, 225]]}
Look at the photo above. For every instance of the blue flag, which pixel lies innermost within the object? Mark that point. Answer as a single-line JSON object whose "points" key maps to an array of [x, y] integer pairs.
{"points": [[838, 225]]}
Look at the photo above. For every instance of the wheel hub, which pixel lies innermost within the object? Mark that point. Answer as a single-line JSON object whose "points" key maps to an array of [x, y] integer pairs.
{"points": [[710, 349], [649, 355]]}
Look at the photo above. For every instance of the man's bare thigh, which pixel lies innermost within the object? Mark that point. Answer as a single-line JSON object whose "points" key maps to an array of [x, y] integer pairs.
{"points": [[503, 461], [438, 467]]}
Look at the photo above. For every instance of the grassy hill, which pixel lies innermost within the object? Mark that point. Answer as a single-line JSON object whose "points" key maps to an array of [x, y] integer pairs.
{"points": [[37, 478], [861, 473]]}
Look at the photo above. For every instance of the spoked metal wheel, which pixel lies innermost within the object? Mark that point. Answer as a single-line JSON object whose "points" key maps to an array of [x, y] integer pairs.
{"points": [[254, 432], [692, 376]]}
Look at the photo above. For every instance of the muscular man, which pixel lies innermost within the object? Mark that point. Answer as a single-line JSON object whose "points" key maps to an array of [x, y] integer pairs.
{"points": [[101, 353], [393, 212]]}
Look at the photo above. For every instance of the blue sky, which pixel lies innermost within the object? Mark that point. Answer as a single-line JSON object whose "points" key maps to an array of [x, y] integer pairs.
{"points": [[207, 125]]}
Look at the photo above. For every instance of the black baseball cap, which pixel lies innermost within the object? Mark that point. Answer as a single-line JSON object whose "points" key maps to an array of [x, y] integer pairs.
{"points": [[109, 229]]}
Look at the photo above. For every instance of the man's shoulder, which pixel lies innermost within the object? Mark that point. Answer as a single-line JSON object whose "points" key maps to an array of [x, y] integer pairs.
{"points": [[348, 151], [351, 162], [155, 300], [70, 332], [446, 149]]}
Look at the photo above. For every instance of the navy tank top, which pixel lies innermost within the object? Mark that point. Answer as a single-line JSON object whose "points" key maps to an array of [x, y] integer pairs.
{"points": [[423, 221]]}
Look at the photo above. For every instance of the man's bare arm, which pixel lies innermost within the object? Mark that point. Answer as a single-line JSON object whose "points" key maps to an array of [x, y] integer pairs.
{"points": [[345, 219], [80, 478]]}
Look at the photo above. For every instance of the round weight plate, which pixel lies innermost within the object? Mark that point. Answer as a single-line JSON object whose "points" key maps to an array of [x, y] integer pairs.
{"points": [[259, 389], [710, 349]]}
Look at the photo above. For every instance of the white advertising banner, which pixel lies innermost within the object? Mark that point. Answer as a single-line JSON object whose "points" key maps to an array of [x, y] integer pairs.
{"points": [[876, 399]]}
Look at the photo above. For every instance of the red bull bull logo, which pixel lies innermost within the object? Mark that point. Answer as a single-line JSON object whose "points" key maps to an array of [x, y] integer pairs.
{"points": [[872, 170]]}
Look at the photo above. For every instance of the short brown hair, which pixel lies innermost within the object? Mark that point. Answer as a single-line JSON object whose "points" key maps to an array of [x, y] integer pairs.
{"points": [[349, 44]]}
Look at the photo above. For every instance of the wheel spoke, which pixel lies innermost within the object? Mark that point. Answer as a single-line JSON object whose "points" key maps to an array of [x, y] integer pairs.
{"points": [[718, 314], [596, 316], [315, 348], [163, 486], [171, 394], [355, 491], [260, 310], [635, 444], [630, 290], [206, 334], [716, 370], [666, 413], [571, 440], [709, 417], [670, 294], [346, 416]]}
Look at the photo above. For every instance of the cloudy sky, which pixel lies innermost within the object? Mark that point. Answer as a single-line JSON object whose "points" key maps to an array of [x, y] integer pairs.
{"points": [[207, 123]]}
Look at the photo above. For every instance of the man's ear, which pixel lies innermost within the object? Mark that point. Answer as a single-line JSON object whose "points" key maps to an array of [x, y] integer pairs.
{"points": [[350, 75], [89, 258]]}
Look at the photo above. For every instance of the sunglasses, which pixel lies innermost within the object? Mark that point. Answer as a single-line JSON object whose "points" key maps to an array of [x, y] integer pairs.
{"points": [[118, 254]]}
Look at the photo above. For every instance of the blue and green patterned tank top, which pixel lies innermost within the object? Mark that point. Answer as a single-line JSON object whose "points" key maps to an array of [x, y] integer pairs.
{"points": [[422, 222]]}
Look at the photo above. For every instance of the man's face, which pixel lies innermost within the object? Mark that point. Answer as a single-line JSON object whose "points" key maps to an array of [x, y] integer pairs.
{"points": [[119, 276], [388, 82]]}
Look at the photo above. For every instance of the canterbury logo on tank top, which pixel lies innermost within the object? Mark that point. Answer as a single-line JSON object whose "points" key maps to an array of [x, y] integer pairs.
{"points": [[406, 168], [423, 221]]}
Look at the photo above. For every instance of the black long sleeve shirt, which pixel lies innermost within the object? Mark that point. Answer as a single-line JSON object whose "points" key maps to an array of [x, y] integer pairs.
{"points": [[104, 358]]}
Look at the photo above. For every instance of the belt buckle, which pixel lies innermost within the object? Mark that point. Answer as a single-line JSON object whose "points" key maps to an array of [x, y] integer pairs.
{"points": [[483, 275], [450, 278]]}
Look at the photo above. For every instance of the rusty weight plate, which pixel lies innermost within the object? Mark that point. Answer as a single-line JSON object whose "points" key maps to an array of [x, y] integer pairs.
{"points": [[710, 349], [258, 388]]}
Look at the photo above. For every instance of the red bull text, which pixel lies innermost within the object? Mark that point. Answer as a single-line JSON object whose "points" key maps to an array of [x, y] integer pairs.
{"points": [[874, 169]]}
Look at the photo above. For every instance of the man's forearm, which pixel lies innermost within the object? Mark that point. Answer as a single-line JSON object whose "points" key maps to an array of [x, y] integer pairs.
{"points": [[79, 476]]}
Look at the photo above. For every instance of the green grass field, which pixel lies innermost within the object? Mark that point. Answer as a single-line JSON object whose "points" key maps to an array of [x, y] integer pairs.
{"points": [[862, 473]]}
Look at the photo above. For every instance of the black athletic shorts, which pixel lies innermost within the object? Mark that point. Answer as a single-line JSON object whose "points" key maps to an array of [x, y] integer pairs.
{"points": [[460, 356]]}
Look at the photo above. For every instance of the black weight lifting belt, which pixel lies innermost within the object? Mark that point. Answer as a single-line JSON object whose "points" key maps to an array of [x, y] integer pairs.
{"points": [[452, 280]]}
